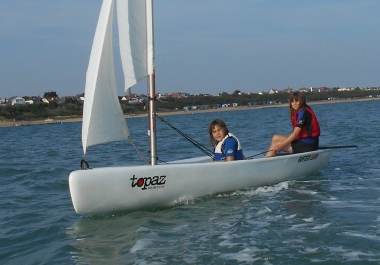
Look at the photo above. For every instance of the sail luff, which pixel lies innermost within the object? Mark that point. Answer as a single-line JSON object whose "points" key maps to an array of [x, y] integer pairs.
{"points": [[150, 37], [103, 119]]}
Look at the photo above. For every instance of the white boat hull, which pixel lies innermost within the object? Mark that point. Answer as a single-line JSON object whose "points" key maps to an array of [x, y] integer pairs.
{"points": [[112, 189]]}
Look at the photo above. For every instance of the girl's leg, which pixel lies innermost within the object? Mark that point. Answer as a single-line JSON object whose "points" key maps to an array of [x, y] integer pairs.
{"points": [[276, 140]]}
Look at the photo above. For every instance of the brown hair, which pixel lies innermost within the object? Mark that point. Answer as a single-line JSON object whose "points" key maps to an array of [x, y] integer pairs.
{"points": [[219, 123], [297, 96]]}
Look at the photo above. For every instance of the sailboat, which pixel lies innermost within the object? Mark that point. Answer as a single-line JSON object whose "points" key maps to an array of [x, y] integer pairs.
{"points": [[111, 189]]}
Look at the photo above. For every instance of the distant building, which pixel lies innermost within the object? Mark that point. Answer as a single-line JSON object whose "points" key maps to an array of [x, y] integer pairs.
{"points": [[17, 101], [273, 91], [288, 90], [180, 95], [48, 99], [343, 89]]}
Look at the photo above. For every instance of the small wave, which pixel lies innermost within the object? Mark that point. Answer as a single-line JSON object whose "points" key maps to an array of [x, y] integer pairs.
{"points": [[306, 192], [311, 250], [297, 227], [290, 216], [141, 244], [185, 201], [370, 237], [240, 257], [246, 255], [349, 254], [264, 211], [309, 220], [320, 227]]}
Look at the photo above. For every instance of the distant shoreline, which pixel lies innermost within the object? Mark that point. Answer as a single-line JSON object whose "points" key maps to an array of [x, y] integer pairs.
{"points": [[167, 113]]}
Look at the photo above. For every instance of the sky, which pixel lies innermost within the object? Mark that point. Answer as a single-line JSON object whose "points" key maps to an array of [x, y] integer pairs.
{"points": [[201, 46]]}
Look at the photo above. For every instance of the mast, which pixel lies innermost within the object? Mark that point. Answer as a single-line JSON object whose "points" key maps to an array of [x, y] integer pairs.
{"points": [[151, 82]]}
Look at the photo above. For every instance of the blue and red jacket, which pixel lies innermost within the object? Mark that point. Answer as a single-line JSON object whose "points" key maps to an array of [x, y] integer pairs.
{"points": [[310, 130]]}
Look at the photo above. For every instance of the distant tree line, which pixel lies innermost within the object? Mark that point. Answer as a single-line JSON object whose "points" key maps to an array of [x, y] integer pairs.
{"points": [[243, 100], [41, 110], [73, 107]]}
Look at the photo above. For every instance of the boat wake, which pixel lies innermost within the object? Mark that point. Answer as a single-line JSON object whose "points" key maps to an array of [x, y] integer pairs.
{"points": [[259, 190]]}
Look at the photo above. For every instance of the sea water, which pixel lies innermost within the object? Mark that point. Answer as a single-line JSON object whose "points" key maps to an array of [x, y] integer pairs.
{"points": [[329, 217]]}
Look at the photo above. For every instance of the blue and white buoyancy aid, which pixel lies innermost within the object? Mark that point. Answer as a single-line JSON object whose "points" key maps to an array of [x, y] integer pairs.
{"points": [[220, 152]]}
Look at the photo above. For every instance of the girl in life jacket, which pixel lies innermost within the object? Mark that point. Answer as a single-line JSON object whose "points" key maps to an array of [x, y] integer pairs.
{"points": [[306, 131], [226, 146]]}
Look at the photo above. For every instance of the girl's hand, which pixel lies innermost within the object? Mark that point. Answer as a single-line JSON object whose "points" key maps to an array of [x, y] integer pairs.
{"points": [[277, 148]]}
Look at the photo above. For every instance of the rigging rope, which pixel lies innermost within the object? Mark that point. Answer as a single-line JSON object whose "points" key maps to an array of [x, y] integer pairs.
{"points": [[203, 148], [137, 150], [250, 157]]}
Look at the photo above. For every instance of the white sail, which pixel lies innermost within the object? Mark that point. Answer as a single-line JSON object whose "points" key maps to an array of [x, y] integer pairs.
{"points": [[103, 119], [132, 24]]}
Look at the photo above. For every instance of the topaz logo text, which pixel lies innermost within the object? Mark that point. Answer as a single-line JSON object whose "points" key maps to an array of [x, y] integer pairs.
{"points": [[307, 158], [155, 182]]}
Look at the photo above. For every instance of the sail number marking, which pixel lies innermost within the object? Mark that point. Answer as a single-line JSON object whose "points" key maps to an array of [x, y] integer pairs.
{"points": [[156, 182], [307, 158]]}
